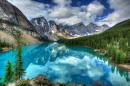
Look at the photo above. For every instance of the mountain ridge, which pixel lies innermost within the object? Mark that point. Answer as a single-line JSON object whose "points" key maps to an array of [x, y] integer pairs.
{"points": [[119, 30], [64, 31]]}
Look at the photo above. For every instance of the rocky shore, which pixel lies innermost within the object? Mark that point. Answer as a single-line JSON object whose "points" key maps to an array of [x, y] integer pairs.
{"points": [[41, 80], [124, 66], [6, 49]]}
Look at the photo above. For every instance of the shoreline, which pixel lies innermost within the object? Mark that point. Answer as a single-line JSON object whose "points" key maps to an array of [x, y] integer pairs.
{"points": [[42, 80], [5, 49], [125, 67], [122, 66]]}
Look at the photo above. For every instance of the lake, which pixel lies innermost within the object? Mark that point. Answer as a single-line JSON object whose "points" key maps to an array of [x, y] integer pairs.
{"points": [[67, 64]]}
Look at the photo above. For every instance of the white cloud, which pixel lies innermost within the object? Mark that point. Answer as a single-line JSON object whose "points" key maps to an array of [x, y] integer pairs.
{"points": [[62, 2], [121, 12], [64, 67], [56, 12], [63, 12], [66, 14], [113, 79], [31, 8], [95, 8]]}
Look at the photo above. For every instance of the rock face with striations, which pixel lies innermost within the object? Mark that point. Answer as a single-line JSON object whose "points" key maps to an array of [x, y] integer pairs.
{"points": [[13, 14], [76, 29], [12, 18], [43, 28], [92, 27], [41, 25]]}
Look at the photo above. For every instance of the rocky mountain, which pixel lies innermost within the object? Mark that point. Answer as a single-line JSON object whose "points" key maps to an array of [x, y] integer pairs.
{"points": [[92, 27], [77, 29], [55, 32], [105, 26], [80, 29], [12, 18], [43, 28], [41, 25], [13, 14]]}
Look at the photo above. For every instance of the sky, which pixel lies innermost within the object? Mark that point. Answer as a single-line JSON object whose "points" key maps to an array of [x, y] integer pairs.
{"points": [[70, 12]]}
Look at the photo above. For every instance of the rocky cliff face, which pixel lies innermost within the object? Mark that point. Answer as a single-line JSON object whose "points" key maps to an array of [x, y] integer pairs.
{"points": [[41, 25], [12, 18], [80, 29], [77, 29], [53, 26], [43, 28], [92, 27], [58, 30], [13, 14]]}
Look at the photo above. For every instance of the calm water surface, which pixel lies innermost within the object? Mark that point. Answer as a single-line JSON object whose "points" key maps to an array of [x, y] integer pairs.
{"points": [[67, 64]]}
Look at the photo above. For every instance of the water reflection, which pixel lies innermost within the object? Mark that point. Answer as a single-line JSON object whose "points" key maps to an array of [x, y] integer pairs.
{"points": [[67, 64]]}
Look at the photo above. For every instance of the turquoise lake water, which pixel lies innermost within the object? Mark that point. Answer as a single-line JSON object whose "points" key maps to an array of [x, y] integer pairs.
{"points": [[67, 64]]}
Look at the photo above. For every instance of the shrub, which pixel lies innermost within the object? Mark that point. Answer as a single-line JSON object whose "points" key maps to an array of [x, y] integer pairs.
{"points": [[2, 84], [22, 83], [0, 48]]}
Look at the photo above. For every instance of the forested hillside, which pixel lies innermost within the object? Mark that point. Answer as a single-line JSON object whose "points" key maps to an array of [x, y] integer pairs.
{"points": [[114, 42]]}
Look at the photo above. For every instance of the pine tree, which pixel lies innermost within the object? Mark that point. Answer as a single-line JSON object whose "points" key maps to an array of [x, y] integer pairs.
{"points": [[118, 56], [122, 43], [113, 53], [1, 83], [8, 77], [19, 71], [122, 59]]}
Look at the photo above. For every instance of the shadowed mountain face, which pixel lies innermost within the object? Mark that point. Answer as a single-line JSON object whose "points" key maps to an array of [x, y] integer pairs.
{"points": [[43, 28], [13, 14], [41, 25], [12, 18], [79, 29]]}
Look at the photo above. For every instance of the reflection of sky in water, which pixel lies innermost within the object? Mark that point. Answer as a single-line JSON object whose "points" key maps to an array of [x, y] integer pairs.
{"points": [[68, 64]]}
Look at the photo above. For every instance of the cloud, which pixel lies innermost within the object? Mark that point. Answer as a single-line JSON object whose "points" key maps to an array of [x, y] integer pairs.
{"points": [[56, 12], [113, 79], [63, 2], [64, 69], [62, 12], [71, 69], [66, 14], [95, 8], [121, 12], [31, 8]]}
